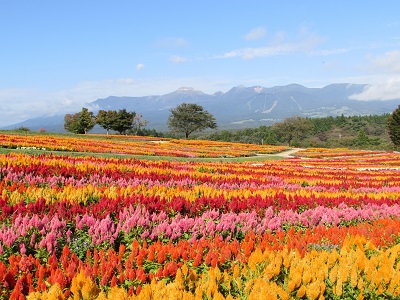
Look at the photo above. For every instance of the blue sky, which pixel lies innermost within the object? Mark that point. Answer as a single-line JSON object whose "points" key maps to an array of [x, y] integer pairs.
{"points": [[58, 56]]}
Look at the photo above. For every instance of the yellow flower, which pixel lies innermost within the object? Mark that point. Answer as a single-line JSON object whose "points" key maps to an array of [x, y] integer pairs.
{"points": [[313, 290], [145, 293], [117, 293], [301, 292], [236, 271], [83, 287], [339, 287], [101, 296], [361, 284], [294, 282], [34, 296], [184, 269], [353, 276], [54, 293], [381, 289], [89, 290], [307, 276]]}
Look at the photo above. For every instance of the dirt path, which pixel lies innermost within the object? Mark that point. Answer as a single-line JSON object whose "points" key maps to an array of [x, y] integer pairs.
{"points": [[287, 153]]}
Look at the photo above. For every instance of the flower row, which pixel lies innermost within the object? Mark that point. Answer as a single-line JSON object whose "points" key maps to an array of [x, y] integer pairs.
{"points": [[32, 234], [54, 183], [374, 172], [134, 146]]}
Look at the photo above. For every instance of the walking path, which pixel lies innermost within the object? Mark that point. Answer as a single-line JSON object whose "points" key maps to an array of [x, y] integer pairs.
{"points": [[287, 153]]}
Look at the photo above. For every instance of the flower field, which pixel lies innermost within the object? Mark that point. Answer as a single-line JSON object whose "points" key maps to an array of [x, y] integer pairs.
{"points": [[134, 145], [322, 225]]}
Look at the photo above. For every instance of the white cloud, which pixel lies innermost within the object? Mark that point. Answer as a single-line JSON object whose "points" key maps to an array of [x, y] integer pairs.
{"points": [[385, 89], [139, 66], [303, 45], [389, 62], [387, 85], [255, 33], [19, 105], [178, 59]]}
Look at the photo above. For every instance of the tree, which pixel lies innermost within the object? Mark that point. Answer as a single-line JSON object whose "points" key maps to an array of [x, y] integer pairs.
{"points": [[188, 118], [106, 119], [362, 139], [71, 123], [138, 123], [81, 122], [123, 121], [393, 126], [292, 128]]}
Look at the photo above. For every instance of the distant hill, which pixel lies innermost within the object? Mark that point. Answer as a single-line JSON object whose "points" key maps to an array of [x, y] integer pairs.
{"points": [[239, 107]]}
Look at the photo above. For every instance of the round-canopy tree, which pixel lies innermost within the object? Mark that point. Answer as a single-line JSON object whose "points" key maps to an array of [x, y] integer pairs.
{"points": [[393, 125], [188, 118], [106, 119], [81, 122], [123, 121]]}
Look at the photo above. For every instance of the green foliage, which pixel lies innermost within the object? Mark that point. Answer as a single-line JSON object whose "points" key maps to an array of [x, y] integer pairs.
{"points": [[106, 119], [80, 242], [292, 128], [81, 122], [393, 126], [146, 132], [188, 118], [123, 121], [361, 139], [23, 129], [320, 125], [363, 132]]}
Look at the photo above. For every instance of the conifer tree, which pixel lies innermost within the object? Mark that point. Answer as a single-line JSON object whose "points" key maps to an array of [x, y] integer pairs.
{"points": [[393, 126]]}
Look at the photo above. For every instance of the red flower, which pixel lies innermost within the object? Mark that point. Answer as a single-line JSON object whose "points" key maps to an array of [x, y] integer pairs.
{"points": [[138, 289], [150, 257], [161, 256], [113, 281], [198, 259], [141, 275], [130, 274], [159, 272], [121, 278], [170, 269], [9, 281]]}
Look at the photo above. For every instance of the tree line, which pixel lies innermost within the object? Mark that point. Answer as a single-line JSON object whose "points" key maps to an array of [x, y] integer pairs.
{"points": [[379, 132], [185, 119], [120, 121], [362, 132]]}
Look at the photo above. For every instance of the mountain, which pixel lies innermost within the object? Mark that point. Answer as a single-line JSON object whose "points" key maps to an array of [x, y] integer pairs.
{"points": [[240, 106]]}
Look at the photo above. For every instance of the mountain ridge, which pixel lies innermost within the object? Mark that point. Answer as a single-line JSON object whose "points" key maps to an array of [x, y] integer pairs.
{"points": [[240, 106]]}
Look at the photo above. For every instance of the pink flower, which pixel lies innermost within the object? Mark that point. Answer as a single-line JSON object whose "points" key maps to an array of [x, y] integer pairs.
{"points": [[22, 248]]}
